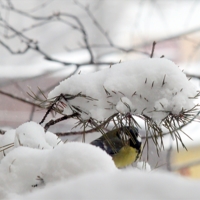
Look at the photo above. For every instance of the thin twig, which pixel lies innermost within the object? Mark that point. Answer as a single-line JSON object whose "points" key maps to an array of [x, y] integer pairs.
{"points": [[19, 99], [153, 48], [53, 122]]}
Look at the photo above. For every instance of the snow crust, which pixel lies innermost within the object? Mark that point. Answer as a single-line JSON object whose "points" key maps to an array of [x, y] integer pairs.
{"points": [[151, 86]]}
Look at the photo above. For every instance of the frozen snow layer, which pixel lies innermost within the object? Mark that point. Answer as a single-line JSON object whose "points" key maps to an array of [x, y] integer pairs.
{"points": [[152, 86]]}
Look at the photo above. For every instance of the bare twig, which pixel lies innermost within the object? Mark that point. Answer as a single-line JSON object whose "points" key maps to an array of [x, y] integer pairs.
{"points": [[53, 122], [41, 6], [153, 48], [19, 99]]}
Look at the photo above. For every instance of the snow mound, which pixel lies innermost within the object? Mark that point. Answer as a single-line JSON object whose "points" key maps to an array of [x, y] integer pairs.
{"points": [[26, 169], [19, 169], [73, 159], [149, 86], [127, 185], [29, 134]]}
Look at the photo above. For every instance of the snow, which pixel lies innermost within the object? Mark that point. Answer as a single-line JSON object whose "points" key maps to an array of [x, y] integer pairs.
{"points": [[43, 168], [6, 139], [127, 185], [29, 134], [73, 159], [64, 168], [32, 135], [19, 169], [152, 86], [32, 162], [40, 166], [143, 166]]}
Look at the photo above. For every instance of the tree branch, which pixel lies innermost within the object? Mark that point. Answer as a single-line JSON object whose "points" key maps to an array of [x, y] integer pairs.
{"points": [[19, 99]]}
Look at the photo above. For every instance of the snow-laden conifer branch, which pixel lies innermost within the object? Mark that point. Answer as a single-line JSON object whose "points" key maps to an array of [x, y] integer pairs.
{"points": [[152, 89]]}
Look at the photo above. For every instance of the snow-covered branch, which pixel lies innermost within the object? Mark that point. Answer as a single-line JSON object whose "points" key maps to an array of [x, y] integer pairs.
{"points": [[152, 89]]}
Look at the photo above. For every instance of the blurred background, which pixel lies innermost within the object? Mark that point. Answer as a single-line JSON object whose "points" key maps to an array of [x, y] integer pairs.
{"points": [[44, 41]]}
